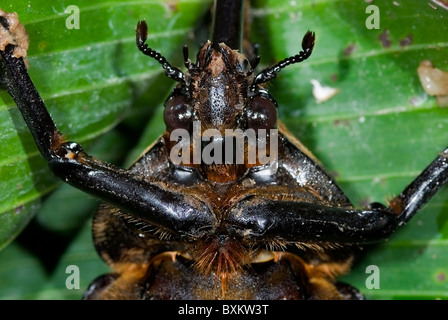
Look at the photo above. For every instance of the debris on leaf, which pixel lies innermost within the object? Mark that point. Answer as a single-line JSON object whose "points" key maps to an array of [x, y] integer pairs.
{"points": [[13, 32], [434, 81], [322, 93]]}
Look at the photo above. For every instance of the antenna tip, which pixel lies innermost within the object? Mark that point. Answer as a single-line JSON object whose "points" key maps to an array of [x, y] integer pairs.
{"points": [[141, 32], [308, 40]]}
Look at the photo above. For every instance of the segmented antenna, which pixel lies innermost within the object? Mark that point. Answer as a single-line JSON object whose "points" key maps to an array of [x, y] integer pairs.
{"points": [[187, 61], [271, 72], [141, 36]]}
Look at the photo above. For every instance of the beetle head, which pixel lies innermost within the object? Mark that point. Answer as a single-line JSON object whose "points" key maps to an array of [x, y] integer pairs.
{"points": [[219, 93], [218, 85]]}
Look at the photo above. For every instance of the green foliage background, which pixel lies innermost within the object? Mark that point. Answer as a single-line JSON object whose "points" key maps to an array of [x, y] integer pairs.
{"points": [[375, 136]]}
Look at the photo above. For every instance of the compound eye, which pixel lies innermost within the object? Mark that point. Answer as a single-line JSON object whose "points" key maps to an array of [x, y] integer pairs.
{"points": [[242, 65], [178, 113], [262, 113]]}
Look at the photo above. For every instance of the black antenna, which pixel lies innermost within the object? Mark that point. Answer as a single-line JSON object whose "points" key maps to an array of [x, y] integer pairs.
{"points": [[187, 61], [271, 72], [141, 36]]}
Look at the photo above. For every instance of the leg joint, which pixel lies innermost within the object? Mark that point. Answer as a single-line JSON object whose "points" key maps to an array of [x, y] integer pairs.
{"points": [[68, 150]]}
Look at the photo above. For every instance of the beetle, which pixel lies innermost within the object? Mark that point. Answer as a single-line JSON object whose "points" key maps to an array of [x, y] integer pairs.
{"points": [[219, 231]]}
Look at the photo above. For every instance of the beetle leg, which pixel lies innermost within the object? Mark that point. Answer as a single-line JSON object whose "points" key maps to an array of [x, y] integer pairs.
{"points": [[129, 282], [307, 222], [320, 278], [422, 189], [294, 221], [68, 161], [98, 286], [19, 85], [349, 292], [228, 23], [150, 203]]}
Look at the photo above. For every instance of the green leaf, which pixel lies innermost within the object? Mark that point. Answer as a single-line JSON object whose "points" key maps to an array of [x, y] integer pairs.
{"points": [[375, 135]]}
